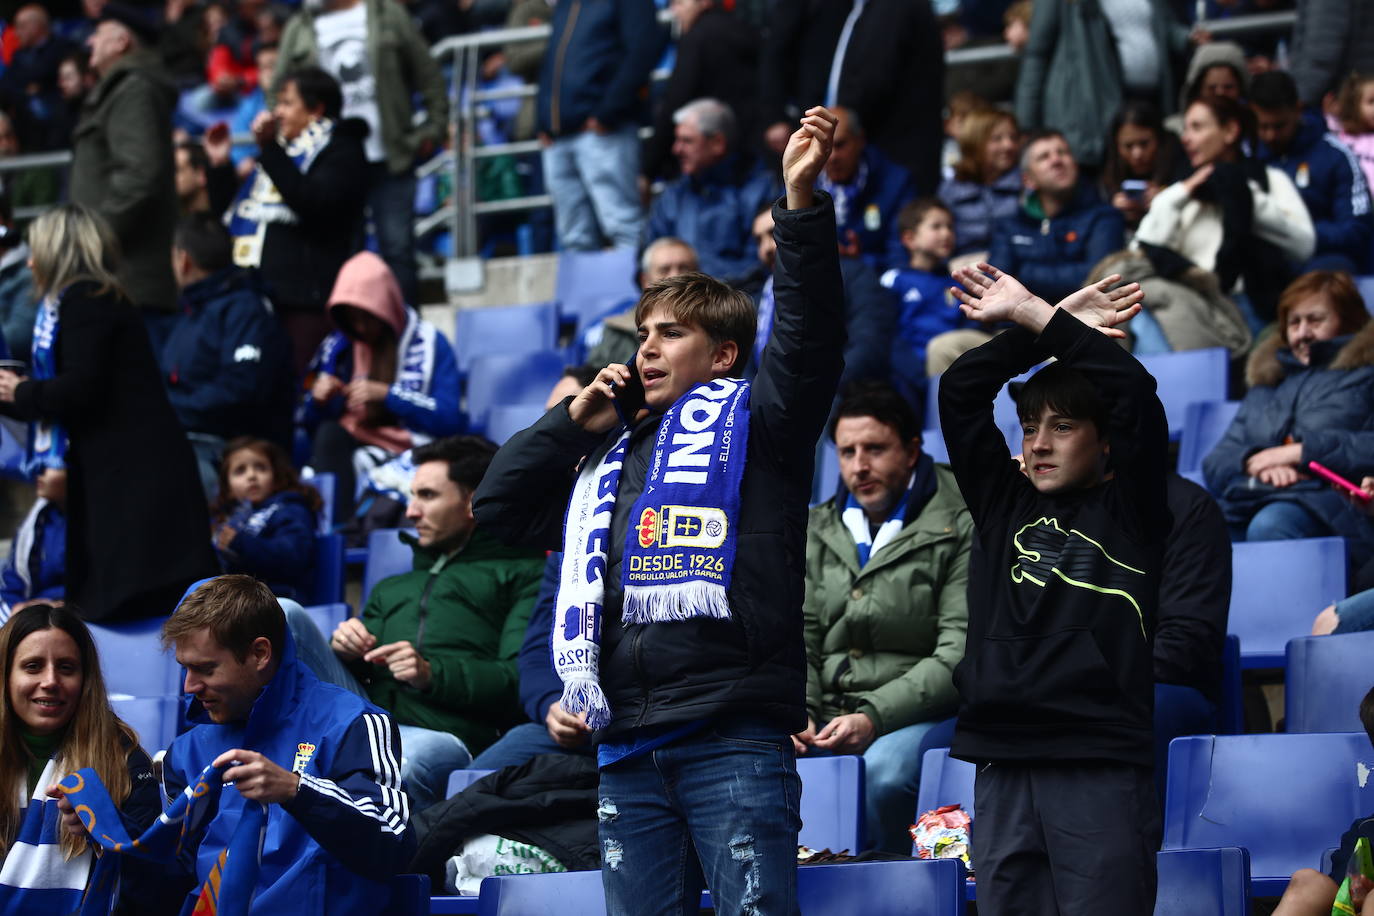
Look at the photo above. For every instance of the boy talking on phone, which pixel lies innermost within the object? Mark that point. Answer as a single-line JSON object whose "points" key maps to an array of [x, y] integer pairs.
{"points": [[1056, 686], [678, 624]]}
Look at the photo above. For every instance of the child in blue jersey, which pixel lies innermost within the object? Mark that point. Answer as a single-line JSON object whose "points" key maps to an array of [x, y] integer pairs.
{"points": [[927, 308], [264, 518]]}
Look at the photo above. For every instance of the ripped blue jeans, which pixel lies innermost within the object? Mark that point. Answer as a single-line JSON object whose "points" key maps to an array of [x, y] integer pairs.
{"points": [[717, 808]]}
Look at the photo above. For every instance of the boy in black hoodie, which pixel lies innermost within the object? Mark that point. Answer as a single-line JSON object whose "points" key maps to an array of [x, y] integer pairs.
{"points": [[1056, 685]]}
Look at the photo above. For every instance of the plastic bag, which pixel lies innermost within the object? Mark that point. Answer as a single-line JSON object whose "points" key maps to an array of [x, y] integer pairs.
{"points": [[1359, 880], [487, 855], [943, 834]]}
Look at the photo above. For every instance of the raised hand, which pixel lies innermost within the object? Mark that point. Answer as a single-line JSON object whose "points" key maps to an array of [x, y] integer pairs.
{"points": [[990, 295], [807, 151], [1098, 305]]}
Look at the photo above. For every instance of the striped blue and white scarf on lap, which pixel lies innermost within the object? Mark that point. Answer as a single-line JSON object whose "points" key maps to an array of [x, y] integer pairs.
{"points": [[680, 547], [36, 878]]}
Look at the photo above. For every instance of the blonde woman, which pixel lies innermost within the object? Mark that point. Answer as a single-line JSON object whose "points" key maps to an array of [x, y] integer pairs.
{"points": [[136, 516], [56, 719], [986, 186]]}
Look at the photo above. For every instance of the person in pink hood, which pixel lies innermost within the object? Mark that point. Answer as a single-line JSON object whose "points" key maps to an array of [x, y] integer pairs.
{"points": [[382, 383]]}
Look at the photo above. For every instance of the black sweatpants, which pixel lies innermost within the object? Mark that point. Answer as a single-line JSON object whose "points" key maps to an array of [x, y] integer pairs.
{"points": [[1065, 839]]}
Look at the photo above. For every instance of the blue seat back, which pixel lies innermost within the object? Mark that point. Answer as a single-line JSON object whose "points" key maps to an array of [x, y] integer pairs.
{"points": [[327, 485], [156, 719], [1282, 797], [832, 802], [327, 585], [14, 448], [1231, 715], [504, 329], [505, 420], [827, 474], [1204, 423], [459, 780], [504, 379], [132, 659], [387, 555], [944, 781], [327, 617], [409, 896], [1277, 587], [933, 444], [590, 283], [1203, 882], [910, 888], [1366, 287], [1327, 677], [1187, 376]]}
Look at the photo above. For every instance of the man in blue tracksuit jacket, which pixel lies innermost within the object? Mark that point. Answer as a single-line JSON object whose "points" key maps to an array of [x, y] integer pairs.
{"points": [[324, 761], [1062, 228], [1324, 170]]}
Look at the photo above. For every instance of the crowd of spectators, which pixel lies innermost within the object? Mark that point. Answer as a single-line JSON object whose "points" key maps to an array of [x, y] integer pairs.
{"points": [[231, 292]]}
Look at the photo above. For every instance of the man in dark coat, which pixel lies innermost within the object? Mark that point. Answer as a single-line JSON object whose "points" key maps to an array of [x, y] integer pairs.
{"points": [[122, 154]]}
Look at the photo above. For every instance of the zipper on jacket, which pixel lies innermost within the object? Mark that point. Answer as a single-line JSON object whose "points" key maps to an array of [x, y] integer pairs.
{"points": [[434, 571], [563, 42]]}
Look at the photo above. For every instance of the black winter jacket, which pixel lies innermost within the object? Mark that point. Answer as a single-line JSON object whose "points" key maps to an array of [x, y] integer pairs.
{"points": [[549, 801], [753, 663]]}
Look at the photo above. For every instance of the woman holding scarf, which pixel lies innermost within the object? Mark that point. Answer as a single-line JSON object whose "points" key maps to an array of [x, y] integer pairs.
{"points": [[136, 516], [299, 215], [1232, 216]]}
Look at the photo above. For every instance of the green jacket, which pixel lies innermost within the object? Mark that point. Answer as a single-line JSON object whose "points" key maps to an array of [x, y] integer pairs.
{"points": [[122, 168], [478, 603], [402, 66], [884, 640]]}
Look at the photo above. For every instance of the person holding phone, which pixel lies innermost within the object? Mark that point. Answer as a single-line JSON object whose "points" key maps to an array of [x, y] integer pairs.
{"points": [[1142, 159], [1311, 398]]}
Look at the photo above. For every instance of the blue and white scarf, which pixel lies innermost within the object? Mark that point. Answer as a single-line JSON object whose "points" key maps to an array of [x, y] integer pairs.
{"points": [[228, 889], [865, 541], [258, 203], [680, 547], [36, 877], [47, 440]]}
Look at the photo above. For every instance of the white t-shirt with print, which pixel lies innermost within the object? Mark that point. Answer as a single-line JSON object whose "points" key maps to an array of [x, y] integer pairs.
{"points": [[342, 37]]}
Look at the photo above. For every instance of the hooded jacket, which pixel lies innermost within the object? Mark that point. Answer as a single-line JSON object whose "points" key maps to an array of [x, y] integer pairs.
{"points": [[1331, 184], [753, 664], [884, 639], [122, 168], [466, 614], [334, 847], [225, 361], [423, 398], [1328, 406]]}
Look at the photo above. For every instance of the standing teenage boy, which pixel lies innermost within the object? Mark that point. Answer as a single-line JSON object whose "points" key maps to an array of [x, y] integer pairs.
{"points": [[1056, 686], [678, 623]]}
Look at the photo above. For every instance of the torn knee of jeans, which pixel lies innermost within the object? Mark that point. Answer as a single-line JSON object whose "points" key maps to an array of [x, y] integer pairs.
{"points": [[612, 854], [607, 811], [742, 850]]}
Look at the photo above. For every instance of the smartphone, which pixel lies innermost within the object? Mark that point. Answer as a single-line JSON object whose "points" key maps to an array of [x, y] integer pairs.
{"points": [[1134, 187], [629, 398], [1338, 480]]}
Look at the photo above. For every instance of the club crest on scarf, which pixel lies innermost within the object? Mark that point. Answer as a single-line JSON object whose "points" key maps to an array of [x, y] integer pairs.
{"points": [[680, 546]]}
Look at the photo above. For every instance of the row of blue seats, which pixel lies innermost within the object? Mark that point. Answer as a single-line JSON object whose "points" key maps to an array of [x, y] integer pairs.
{"points": [[1285, 798]]}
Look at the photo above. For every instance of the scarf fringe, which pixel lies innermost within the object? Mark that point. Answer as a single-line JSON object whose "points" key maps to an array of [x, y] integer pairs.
{"points": [[583, 694], [679, 601]]}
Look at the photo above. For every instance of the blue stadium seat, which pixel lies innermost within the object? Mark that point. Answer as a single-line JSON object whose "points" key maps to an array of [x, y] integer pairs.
{"points": [[910, 888], [459, 780], [505, 420], [156, 719], [1204, 423], [507, 329], [327, 586], [933, 444], [1187, 376], [944, 781], [590, 283], [409, 896], [1327, 677], [1203, 882], [1231, 715], [13, 449], [327, 485], [827, 474], [1282, 797], [387, 555], [1277, 588], [505, 379], [327, 617], [832, 809], [132, 660], [1366, 287]]}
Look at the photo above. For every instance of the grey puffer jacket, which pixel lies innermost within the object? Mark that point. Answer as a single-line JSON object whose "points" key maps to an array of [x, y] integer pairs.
{"points": [[1330, 39]]}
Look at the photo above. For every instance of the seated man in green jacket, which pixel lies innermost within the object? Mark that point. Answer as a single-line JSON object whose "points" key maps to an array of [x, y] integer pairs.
{"points": [[886, 570], [436, 646]]}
